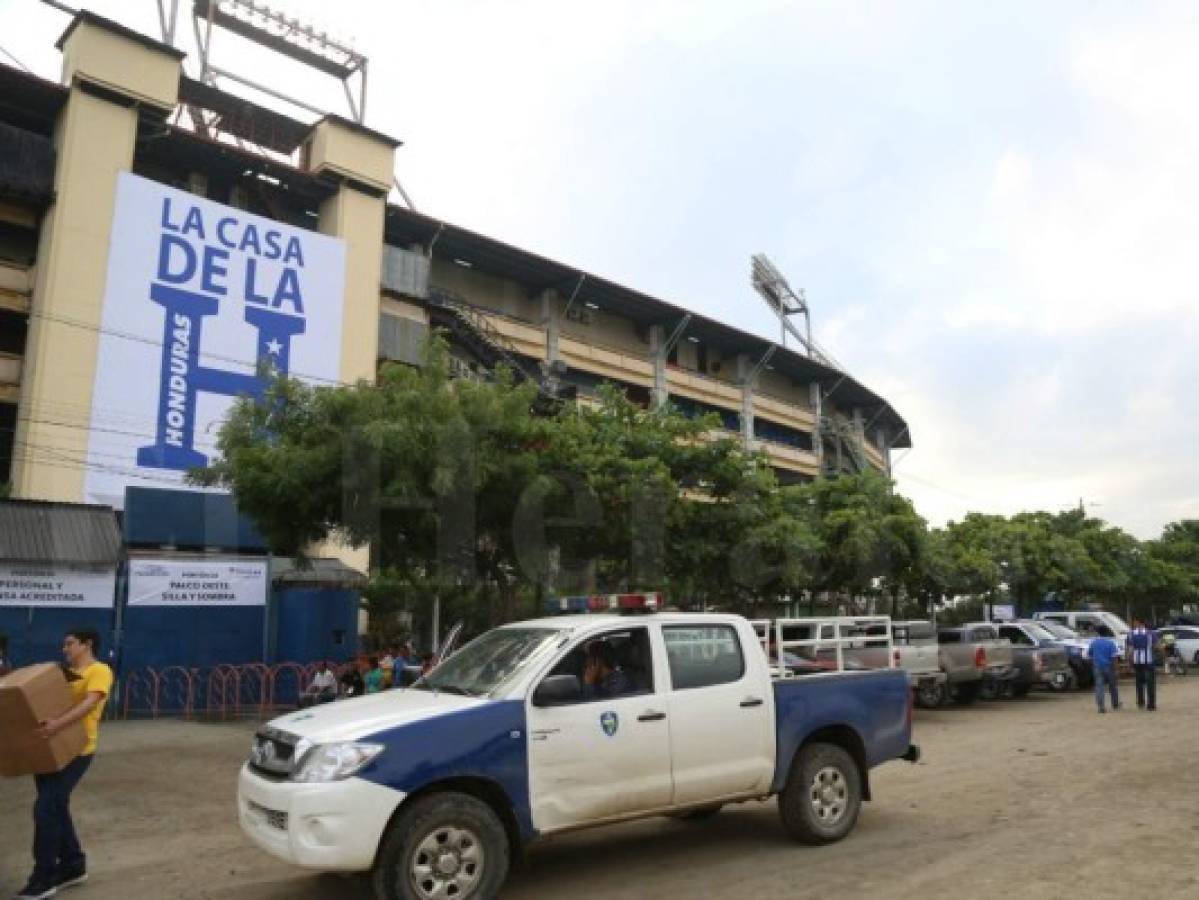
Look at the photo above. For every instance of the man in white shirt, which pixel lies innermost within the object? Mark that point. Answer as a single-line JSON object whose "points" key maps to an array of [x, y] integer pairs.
{"points": [[323, 687]]}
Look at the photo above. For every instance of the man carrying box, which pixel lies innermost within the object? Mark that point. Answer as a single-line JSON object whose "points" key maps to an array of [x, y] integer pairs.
{"points": [[59, 860]]}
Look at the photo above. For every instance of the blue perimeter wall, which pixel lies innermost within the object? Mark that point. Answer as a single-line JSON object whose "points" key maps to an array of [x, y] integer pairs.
{"points": [[305, 625]]}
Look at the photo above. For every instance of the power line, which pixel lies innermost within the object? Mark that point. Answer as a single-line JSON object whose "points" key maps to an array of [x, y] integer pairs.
{"points": [[6, 52], [151, 342]]}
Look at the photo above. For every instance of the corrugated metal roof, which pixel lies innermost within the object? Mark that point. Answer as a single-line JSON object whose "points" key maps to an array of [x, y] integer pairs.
{"points": [[285, 570], [34, 531]]}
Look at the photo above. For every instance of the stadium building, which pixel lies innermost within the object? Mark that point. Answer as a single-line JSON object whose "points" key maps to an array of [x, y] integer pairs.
{"points": [[161, 238]]}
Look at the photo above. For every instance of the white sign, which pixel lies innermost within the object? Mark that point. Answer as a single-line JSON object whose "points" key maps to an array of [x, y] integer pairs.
{"points": [[197, 582], [201, 300], [56, 587], [1001, 612]]}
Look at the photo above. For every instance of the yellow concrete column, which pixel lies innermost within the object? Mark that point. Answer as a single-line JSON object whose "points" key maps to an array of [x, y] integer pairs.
{"points": [[363, 162], [112, 74]]}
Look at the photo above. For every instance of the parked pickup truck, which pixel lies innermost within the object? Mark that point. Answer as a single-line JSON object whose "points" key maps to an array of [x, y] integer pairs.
{"points": [[1037, 655], [975, 661], [874, 642], [1078, 651], [563, 723], [917, 653]]}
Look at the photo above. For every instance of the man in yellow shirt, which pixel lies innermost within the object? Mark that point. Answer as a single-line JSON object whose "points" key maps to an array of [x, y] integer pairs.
{"points": [[58, 859]]}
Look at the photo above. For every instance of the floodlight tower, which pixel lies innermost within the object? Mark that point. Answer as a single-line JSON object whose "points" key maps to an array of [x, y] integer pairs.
{"points": [[784, 301], [302, 42]]}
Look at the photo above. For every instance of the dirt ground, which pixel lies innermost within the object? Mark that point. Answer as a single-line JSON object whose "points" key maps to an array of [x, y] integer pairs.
{"points": [[1036, 798]]}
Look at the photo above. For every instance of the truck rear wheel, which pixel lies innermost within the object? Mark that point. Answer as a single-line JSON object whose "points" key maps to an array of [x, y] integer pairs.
{"points": [[823, 795], [443, 846], [930, 694]]}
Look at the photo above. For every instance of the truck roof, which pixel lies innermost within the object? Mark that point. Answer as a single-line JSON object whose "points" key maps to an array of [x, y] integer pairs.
{"points": [[597, 621]]}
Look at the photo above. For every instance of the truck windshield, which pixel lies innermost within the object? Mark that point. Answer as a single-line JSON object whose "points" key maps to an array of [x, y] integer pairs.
{"points": [[487, 662], [1114, 622], [1058, 631], [1041, 631]]}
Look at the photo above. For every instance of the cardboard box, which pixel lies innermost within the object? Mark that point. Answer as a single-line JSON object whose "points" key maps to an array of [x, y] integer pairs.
{"points": [[29, 696]]}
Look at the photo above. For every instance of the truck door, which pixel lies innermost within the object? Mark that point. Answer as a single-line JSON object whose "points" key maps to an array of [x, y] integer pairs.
{"points": [[721, 714], [607, 753]]}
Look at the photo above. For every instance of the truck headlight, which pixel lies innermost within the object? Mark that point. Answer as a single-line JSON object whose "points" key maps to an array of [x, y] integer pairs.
{"points": [[332, 762]]}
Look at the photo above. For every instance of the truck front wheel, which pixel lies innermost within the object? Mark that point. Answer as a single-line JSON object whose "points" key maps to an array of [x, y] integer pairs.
{"points": [[823, 795], [446, 845]]}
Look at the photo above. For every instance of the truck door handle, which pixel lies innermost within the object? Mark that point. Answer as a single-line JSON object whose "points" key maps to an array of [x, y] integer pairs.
{"points": [[651, 716], [751, 701], [543, 734]]}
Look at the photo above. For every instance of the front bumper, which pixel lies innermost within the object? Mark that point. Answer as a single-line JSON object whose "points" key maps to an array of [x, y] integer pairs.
{"points": [[333, 827]]}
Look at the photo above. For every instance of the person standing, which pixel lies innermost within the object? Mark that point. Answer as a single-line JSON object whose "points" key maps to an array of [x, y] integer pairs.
{"points": [[59, 860], [374, 677], [1103, 652], [389, 664], [1141, 642]]}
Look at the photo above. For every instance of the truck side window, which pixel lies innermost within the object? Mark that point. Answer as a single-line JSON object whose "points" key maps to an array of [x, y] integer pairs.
{"points": [[703, 655], [630, 650], [1016, 636]]}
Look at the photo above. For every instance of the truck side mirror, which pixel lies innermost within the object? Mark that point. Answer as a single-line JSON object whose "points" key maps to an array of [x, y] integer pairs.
{"points": [[558, 689]]}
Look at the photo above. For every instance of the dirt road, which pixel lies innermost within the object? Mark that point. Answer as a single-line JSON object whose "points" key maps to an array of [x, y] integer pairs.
{"points": [[1028, 799]]}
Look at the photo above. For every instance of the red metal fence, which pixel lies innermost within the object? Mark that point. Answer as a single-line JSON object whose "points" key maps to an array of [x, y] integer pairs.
{"points": [[217, 692]]}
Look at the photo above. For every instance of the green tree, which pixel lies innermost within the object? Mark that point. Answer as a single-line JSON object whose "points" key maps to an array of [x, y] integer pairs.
{"points": [[425, 468], [868, 534], [932, 579]]}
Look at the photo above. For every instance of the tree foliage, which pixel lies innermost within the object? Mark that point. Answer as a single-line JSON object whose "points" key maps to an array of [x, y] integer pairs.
{"points": [[479, 494]]}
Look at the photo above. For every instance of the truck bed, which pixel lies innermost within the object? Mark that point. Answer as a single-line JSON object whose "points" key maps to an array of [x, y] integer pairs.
{"points": [[873, 703]]}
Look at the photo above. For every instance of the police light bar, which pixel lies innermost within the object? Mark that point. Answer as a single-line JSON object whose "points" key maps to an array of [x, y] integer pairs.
{"points": [[648, 602]]}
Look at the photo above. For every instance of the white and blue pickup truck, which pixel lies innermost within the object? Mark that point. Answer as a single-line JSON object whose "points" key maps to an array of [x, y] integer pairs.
{"points": [[564, 723]]}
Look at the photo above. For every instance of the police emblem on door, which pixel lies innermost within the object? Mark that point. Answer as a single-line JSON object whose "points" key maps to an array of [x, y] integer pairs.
{"points": [[609, 721]]}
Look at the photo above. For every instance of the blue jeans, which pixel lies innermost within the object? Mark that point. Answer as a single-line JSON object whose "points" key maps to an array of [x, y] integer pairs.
{"points": [[55, 844], [1146, 685], [1107, 674]]}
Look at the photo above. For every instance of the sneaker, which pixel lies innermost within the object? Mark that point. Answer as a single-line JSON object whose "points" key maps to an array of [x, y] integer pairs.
{"points": [[36, 889], [66, 878]]}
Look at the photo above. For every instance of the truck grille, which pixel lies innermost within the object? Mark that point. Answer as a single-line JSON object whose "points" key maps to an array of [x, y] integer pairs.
{"points": [[273, 752], [273, 817]]}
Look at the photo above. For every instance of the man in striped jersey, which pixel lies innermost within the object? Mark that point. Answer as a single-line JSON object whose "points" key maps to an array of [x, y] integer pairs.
{"points": [[1140, 648]]}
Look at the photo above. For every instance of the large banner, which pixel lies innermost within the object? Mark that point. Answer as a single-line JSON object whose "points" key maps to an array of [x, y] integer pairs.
{"points": [[197, 582], [202, 300], [56, 587]]}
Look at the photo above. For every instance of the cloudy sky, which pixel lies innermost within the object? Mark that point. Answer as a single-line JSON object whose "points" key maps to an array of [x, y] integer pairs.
{"points": [[994, 208]]}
